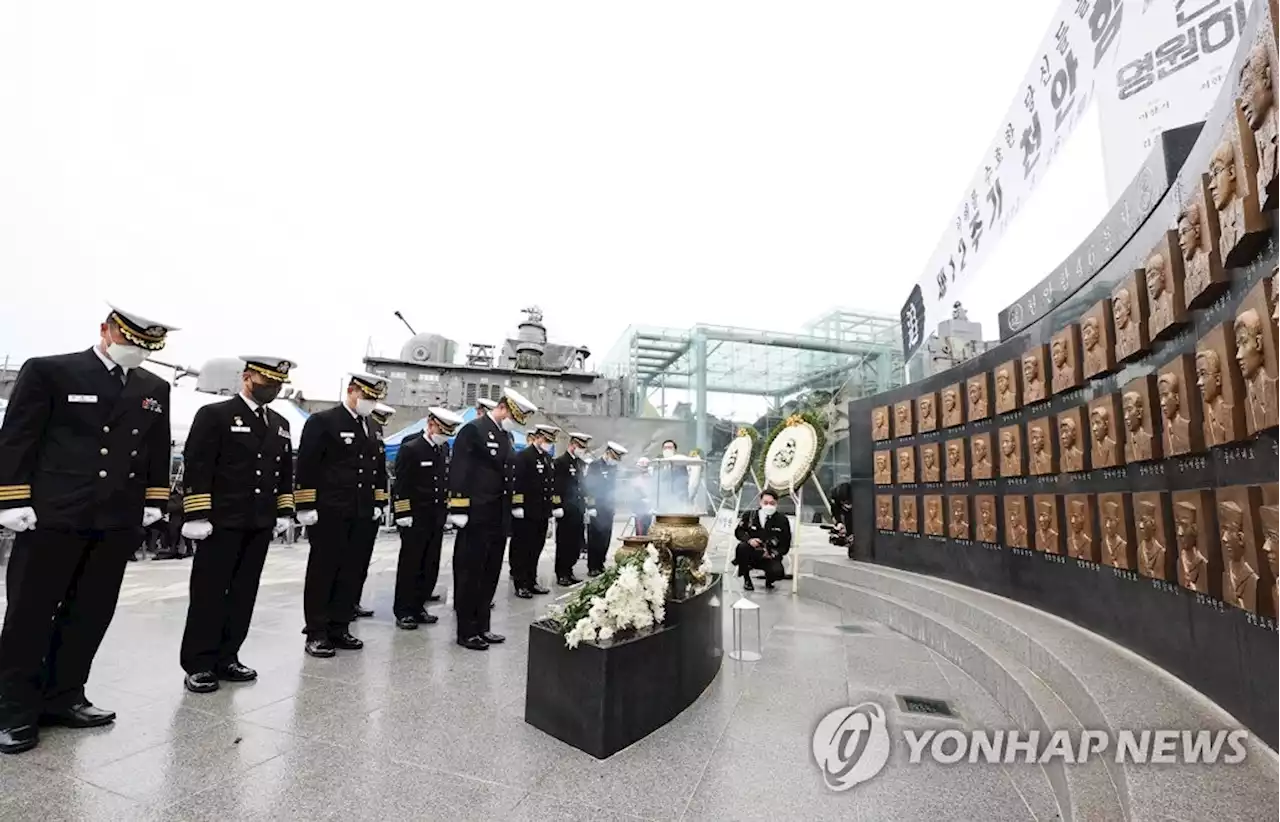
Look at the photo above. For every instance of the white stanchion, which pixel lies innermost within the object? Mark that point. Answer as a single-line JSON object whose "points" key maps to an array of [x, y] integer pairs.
{"points": [[741, 609]]}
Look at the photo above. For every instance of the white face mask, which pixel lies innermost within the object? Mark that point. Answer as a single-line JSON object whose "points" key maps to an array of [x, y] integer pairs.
{"points": [[610, 460], [511, 426], [438, 439], [365, 406], [584, 456], [127, 356], [768, 510], [546, 447], [668, 452]]}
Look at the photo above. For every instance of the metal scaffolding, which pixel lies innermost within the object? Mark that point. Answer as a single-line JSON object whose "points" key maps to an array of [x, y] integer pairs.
{"points": [[855, 351]]}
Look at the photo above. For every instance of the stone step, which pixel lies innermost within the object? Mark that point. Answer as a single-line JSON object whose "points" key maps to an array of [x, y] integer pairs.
{"points": [[1102, 685]]}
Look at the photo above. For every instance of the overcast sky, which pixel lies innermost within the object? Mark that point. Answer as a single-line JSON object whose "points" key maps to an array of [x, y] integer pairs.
{"points": [[279, 177]]}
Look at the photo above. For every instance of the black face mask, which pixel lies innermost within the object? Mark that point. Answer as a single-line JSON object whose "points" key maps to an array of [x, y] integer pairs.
{"points": [[264, 393]]}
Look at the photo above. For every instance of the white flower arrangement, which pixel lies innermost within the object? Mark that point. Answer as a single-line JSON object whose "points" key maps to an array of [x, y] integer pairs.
{"points": [[629, 596]]}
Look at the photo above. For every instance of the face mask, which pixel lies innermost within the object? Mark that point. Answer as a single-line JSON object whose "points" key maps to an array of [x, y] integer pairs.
{"points": [[264, 393], [127, 356], [546, 447], [668, 452], [609, 460], [438, 439], [768, 510], [511, 426], [585, 457], [364, 407]]}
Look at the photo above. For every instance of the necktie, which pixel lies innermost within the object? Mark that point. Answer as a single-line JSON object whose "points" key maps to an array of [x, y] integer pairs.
{"points": [[121, 374], [262, 415]]}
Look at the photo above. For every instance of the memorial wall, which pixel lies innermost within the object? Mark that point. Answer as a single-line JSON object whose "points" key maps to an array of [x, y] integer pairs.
{"points": [[1114, 461]]}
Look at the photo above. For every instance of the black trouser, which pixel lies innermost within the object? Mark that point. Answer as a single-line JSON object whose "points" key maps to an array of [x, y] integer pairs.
{"points": [[749, 559], [569, 538], [477, 564], [62, 588], [224, 587], [332, 586], [527, 538], [418, 566], [360, 567], [599, 534]]}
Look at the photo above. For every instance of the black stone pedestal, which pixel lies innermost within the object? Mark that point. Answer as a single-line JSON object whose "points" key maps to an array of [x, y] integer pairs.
{"points": [[602, 698]]}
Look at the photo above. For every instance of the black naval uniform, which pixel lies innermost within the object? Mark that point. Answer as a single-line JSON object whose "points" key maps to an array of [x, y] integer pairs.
{"points": [[420, 491], [339, 472], [381, 498], [478, 486], [601, 484], [774, 535], [569, 530], [238, 475], [534, 491], [88, 451]]}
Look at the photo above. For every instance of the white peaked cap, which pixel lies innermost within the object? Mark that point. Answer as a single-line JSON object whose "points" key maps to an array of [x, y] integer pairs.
{"points": [[615, 448], [444, 416]]}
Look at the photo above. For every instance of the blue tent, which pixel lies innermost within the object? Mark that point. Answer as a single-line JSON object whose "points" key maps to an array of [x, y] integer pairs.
{"points": [[393, 442]]}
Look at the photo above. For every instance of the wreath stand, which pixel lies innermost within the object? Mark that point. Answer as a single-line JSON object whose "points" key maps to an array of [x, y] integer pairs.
{"points": [[731, 524], [797, 495]]}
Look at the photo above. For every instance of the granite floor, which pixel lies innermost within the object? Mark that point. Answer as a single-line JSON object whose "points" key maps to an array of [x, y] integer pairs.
{"points": [[413, 727]]}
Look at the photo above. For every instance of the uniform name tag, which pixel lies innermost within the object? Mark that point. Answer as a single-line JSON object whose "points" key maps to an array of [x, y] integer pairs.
{"points": [[241, 429], [427, 463], [90, 398]]}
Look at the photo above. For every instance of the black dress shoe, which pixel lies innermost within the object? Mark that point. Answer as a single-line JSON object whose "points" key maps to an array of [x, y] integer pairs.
{"points": [[768, 585], [203, 682], [594, 572], [19, 738], [346, 642], [538, 589], [433, 598], [423, 618], [79, 715], [320, 648], [362, 612], [492, 638], [474, 643], [407, 623], [235, 672], [565, 582], [524, 593], [747, 585]]}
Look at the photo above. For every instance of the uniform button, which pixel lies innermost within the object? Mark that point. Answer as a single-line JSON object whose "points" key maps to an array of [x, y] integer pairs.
{"points": [[259, 473], [106, 429], [257, 490], [133, 453], [259, 456], [277, 459], [103, 452], [359, 484], [277, 473], [132, 475], [135, 432], [102, 473], [361, 471]]}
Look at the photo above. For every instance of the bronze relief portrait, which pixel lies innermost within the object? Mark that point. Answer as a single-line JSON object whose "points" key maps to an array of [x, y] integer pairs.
{"points": [[1008, 387], [1034, 387], [1203, 274], [1180, 416], [884, 512], [1258, 82], [1047, 537], [1097, 338], [952, 406], [1080, 524], [1194, 526], [1129, 318], [1015, 521], [1118, 547], [1221, 388], [985, 529], [1155, 561], [883, 468], [902, 420], [1107, 433], [1232, 182], [1242, 571], [956, 461], [908, 517], [1163, 276], [906, 464], [933, 522], [1140, 442], [1255, 338], [1010, 451], [1064, 359], [880, 423], [1073, 456], [927, 412], [1040, 443], [977, 391], [1269, 516], [982, 456], [930, 463], [958, 517]]}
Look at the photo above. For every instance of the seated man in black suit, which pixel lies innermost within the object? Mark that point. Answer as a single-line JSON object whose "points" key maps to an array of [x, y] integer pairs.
{"points": [[764, 538]]}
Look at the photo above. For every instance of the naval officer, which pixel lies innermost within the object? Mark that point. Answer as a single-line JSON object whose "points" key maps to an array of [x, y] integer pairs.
{"points": [[84, 468], [478, 509], [238, 492], [532, 502], [602, 485], [419, 500], [570, 537], [382, 414], [338, 477]]}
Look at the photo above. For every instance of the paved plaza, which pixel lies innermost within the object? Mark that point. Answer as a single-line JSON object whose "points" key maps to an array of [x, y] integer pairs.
{"points": [[414, 727]]}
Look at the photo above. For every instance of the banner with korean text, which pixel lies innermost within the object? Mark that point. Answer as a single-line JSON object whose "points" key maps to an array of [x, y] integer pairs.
{"points": [[1049, 103]]}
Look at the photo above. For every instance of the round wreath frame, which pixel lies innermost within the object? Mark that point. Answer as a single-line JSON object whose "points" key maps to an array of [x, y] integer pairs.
{"points": [[754, 436], [820, 444]]}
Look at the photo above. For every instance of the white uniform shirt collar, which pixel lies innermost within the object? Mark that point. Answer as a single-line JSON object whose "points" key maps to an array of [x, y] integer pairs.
{"points": [[763, 516], [107, 362]]}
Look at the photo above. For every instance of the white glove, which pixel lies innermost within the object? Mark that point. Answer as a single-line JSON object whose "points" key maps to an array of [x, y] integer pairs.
{"points": [[308, 518], [18, 519], [405, 522], [518, 513], [282, 525], [377, 513], [557, 512], [150, 515], [591, 513], [458, 520], [197, 529]]}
